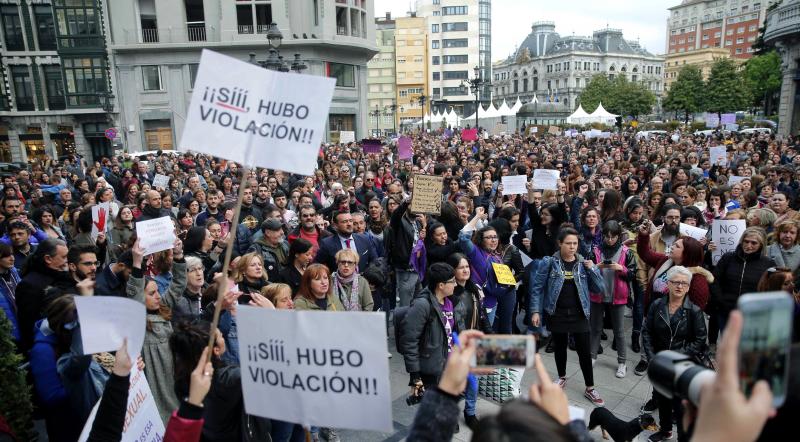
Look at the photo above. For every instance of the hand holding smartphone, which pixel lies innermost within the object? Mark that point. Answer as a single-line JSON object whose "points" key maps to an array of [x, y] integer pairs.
{"points": [[504, 351]]}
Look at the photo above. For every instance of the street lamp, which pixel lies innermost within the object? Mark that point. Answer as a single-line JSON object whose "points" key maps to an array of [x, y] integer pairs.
{"points": [[274, 36], [298, 65], [377, 114], [402, 111], [421, 99], [475, 85], [390, 110]]}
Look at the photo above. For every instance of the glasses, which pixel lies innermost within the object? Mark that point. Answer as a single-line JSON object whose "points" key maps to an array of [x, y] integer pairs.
{"points": [[346, 263], [490, 237], [450, 281], [681, 284]]}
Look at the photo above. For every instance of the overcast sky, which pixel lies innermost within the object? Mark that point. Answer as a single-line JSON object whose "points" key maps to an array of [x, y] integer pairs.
{"points": [[511, 20]]}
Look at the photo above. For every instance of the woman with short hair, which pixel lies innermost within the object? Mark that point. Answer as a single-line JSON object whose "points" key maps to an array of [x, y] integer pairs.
{"points": [[786, 250], [348, 285], [315, 293]]}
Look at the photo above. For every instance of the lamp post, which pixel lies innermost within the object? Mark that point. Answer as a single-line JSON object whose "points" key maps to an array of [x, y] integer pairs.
{"points": [[475, 85], [402, 111], [275, 61], [391, 110], [421, 99], [377, 114]]}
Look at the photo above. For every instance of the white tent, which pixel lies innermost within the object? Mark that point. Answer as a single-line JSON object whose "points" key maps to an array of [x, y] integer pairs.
{"points": [[506, 111], [516, 107], [578, 117], [492, 112], [600, 115], [451, 119]]}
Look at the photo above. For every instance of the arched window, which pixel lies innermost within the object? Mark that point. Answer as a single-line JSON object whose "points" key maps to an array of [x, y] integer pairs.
{"points": [[611, 69]]}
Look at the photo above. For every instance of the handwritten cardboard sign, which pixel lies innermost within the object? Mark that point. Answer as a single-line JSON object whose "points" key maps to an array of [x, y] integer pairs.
{"points": [[427, 195], [503, 274], [156, 235]]}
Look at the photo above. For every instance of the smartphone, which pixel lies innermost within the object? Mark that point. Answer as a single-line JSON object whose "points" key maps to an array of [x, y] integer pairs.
{"points": [[244, 299], [504, 351], [766, 341]]}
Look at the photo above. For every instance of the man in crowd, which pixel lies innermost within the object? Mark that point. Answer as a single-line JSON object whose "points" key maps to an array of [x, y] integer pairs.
{"points": [[113, 278], [153, 208], [272, 247], [344, 238], [213, 200], [308, 229]]}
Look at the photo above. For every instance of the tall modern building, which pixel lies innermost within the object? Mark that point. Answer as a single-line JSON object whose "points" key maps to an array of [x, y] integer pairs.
{"points": [[557, 69], [381, 79], [56, 95], [411, 67], [703, 24], [460, 39], [156, 46]]}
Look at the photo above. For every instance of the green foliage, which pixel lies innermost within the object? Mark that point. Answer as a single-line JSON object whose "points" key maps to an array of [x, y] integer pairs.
{"points": [[619, 96], [15, 405], [726, 90], [599, 89], [763, 76], [686, 94]]}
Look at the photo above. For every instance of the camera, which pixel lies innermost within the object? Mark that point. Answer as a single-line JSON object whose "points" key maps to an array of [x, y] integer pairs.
{"points": [[414, 399], [674, 374]]}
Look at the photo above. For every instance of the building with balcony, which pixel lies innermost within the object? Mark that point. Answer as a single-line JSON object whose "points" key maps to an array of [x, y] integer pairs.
{"points": [[459, 39], [783, 33], [705, 24], [557, 69], [381, 79], [411, 67], [702, 58], [56, 94], [156, 46]]}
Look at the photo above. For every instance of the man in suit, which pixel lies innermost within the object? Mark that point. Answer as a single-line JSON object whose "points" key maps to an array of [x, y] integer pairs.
{"points": [[345, 238]]}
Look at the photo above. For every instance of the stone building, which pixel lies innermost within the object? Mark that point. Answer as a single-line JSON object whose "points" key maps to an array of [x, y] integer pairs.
{"points": [[783, 32]]}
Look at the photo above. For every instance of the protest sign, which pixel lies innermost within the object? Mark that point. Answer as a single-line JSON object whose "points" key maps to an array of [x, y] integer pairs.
{"points": [[142, 422], [161, 181], [326, 369], [604, 135], [726, 235], [728, 119], [499, 129], [514, 184], [732, 126], [404, 151], [553, 130], [469, 134], [712, 120], [545, 179], [736, 179], [371, 146], [718, 155], [107, 320], [534, 129], [692, 231], [503, 274], [257, 117], [101, 219], [156, 235], [427, 195], [347, 136]]}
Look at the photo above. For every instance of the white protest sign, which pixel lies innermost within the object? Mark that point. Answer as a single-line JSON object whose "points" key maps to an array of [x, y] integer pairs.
{"points": [[101, 219], [514, 184], [107, 320], [347, 136], [726, 235], [718, 155], [736, 179], [142, 421], [546, 179], [692, 231], [326, 369], [161, 181], [156, 234], [256, 116]]}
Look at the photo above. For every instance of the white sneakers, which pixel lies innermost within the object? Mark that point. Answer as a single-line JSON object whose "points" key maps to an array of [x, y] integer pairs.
{"points": [[622, 370], [594, 361]]}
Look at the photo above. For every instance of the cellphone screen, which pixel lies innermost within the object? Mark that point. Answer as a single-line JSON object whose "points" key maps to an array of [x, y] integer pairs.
{"points": [[245, 299], [764, 348], [504, 350]]}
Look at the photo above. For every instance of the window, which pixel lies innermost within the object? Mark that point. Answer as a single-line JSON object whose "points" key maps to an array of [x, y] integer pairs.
{"points": [[690, 39], [436, 92], [456, 75], [45, 27], [403, 93], [85, 80], [717, 34], [23, 88], [587, 65], [729, 32], [458, 90], [752, 28], [435, 44], [454, 10], [435, 28], [401, 59], [193, 74], [54, 85], [454, 27], [437, 76], [658, 70], [345, 74], [740, 30], [78, 24], [255, 16], [12, 28], [418, 59], [456, 43], [740, 40], [516, 86], [738, 50], [437, 13], [705, 36], [455, 59], [151, 78], [728, 42], [435, 60]]}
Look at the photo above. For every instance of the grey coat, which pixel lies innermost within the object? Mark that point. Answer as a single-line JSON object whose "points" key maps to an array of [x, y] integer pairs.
{"points": [[424, 341], [158, 363], [789, 259]]}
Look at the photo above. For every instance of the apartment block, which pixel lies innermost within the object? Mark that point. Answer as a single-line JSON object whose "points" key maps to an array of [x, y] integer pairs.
{"points": [[411, 67], [381, 79]]}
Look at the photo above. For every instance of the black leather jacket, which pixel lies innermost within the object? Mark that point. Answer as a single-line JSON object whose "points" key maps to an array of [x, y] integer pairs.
{"points": [[684, 333]]}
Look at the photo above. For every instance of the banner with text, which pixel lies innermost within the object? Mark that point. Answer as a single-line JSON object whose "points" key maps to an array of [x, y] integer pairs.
{"points": [[326, 369], [257, 117]]}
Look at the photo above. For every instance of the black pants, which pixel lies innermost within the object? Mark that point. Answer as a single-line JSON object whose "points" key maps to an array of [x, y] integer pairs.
{"points": [[583, 348], [669, 410]]}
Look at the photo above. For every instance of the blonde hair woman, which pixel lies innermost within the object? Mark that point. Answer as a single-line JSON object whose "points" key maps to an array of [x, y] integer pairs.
{"points": [[351, 288]]}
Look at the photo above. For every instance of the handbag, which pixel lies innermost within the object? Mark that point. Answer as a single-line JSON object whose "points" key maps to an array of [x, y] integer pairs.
{"points": [[501, 386]]}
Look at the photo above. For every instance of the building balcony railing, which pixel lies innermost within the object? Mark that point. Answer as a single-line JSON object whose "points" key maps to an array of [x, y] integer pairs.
{"points": [[192, 32], [150, 35], [250, 29], [56, 102], [196, 31], [341, 30], [25, 104], [782, 21]]}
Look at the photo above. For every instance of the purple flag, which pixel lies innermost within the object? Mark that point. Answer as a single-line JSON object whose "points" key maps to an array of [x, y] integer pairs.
{"points": [[404, 148], [728, 119]]}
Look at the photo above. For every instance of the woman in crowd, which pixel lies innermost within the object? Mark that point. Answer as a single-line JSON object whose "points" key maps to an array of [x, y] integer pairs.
{"points": [[185, 222], [301, 254], [786, 250], [738, 272], [586, 221], [315, 293], [249, 273], [675, 323], [776, 279], [279, 294], [45, 218], [545, 223], [200, 244], [437, 244], [560, 290], [122, 232], [348, 285]]}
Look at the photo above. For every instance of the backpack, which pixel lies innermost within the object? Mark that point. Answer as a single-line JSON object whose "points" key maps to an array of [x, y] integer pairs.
{"points": [[398, 322]]}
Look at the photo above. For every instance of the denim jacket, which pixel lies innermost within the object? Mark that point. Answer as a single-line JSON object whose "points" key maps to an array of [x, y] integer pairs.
{"points": [[548, 279]]}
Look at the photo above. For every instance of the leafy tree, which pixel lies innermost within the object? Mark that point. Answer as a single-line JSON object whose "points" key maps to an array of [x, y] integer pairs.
{"points": [[686, 93], [15, 405], [726, 90], [598, 89], [763, 75], [618, 96]]}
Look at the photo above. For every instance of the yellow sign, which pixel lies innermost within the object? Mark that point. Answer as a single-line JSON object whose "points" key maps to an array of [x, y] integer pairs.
{"points": [[503, 274], [634, 123]]}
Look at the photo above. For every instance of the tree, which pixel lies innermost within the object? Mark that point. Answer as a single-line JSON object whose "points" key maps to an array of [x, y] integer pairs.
{"points": [[687, 93], [763, 75], [598, 89], [726, 90], [15, 406], [618, 96]]}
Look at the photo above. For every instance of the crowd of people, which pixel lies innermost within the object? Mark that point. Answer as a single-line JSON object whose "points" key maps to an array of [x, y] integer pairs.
{"points": [[604, 244]]}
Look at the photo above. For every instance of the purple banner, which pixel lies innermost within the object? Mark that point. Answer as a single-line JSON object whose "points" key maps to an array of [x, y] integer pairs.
{"points": [[371, 146], [728, 119], [404, 148]]}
